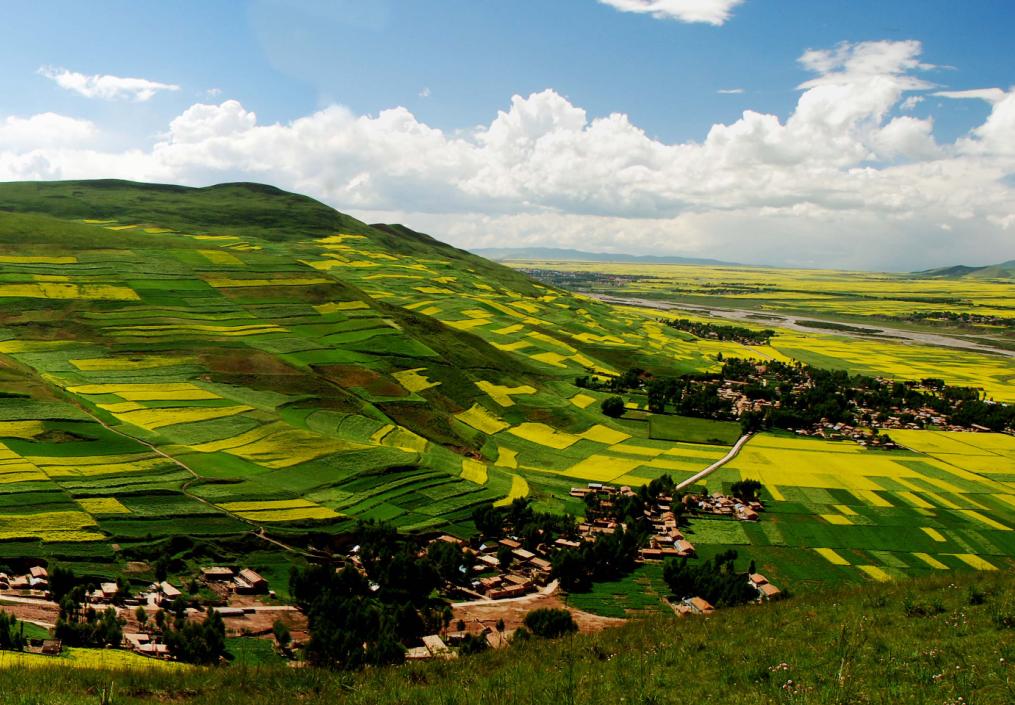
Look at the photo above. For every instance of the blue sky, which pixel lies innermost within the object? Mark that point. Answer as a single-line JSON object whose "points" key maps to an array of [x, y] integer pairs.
{"points": [[294, 90]]}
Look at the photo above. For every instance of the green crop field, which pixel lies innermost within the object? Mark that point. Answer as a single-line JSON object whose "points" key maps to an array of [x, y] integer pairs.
{"points": [[207, 368]]}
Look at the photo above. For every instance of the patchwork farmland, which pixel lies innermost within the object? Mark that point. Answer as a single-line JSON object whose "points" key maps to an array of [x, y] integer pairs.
{"points": [[239, 369]]}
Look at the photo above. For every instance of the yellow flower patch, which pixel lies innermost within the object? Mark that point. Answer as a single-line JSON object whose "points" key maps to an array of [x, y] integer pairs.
{"points": [[544, 435], [279, 510], [153, 419], [604, 434], [831, 556], [582, 401], [931, 561], [413, 380], [49, 526], [501, 394], [336, 306], [519, 488], [30, 259], [875, 572], [974, 561], [220, 257], [21, 429], [506, 458], [101, 364], [482, 420], [474, 471], [102, 505]]}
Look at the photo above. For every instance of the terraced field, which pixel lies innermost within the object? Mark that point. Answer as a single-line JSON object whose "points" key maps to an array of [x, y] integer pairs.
{"points": [[213, 368]]}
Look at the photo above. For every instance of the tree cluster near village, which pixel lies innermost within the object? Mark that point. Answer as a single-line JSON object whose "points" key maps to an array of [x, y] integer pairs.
{"points": [[718, 331], [803, 398]]}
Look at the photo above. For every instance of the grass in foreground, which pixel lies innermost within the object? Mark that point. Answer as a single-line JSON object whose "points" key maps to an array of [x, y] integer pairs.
{"points": [[946, 639]]}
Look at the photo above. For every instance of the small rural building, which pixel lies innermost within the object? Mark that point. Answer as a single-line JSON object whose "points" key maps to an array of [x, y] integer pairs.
{"points": [[510, 543], [217, 573], [699, 605], [437, 648], [522, 554], [541, 563], [684, 547], [769, 591], [153, 650], [249, 581], [757, 579], [37, 571], [167, 593], [47, 647], [108, 590]]}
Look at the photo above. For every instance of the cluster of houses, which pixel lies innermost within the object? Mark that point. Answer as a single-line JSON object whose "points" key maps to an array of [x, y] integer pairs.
{"points": [[844, 431], [722, 505], [34, 583], [667, 541], [527, 571], [242, 582]]}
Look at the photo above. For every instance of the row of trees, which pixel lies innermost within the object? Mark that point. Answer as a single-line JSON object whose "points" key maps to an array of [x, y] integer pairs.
{"points": [[716, 331]]}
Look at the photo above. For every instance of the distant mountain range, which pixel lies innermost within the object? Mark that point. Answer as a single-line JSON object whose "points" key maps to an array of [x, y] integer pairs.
{"points": [[501, 254], [1004, 270]]}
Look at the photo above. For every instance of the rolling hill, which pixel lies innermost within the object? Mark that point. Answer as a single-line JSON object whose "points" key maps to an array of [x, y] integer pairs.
{"points": [[1004, 270]]}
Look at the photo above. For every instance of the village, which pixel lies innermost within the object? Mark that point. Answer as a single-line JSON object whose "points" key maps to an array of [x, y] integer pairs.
{"points": [[501, 571], [802, 400]]}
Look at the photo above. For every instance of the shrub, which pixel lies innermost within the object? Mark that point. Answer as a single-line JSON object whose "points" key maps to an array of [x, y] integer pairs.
{"points": [[613, 407], [550, 623]]}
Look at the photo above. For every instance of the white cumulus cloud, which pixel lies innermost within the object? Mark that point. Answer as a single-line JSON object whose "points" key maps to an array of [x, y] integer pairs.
{"points": [[840, 180], [714, 12], [105, 87], [44, 130]]}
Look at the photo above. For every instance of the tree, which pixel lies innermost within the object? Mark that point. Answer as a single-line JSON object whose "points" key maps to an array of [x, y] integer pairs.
{"points": [[162, 567], [550, 623], [61, 582], [141, 616], [281, 632], [198, 642], [613, 407], [447, 558], [12, 633], [746, 490], [505, 557]]}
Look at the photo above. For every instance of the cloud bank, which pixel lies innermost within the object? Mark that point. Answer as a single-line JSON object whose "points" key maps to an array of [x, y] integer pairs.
{"points": [[844, 180]]}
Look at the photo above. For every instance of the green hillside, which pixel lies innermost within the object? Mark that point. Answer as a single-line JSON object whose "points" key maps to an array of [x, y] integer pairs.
{"points": [[933, 640], [236, 370]]}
